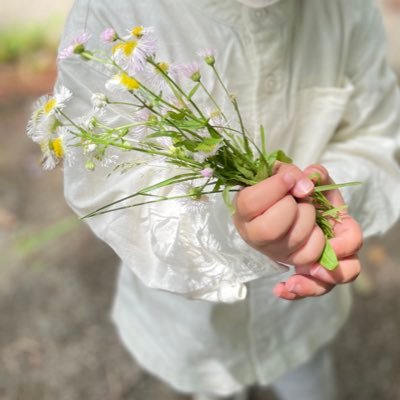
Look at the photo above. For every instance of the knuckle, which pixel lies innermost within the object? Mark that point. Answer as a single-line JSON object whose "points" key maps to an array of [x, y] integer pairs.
{"points": [[273, 225], [244, 203], [284, 168]]}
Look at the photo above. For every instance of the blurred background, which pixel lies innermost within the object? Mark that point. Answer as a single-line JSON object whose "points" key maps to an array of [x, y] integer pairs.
{"points": [[57, 280]]}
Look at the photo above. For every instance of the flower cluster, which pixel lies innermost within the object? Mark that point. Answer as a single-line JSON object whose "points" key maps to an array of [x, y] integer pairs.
{"points": [[167, 121], [47, 130]]}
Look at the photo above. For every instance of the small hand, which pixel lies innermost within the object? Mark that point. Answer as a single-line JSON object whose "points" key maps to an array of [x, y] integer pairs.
{"points": [[272, 217], [313, 279]]}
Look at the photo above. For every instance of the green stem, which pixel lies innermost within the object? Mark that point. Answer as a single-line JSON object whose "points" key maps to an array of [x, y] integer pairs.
{"points": [[142, 192], [156, 201], [236, 107], [169, 79], [213, 100]]}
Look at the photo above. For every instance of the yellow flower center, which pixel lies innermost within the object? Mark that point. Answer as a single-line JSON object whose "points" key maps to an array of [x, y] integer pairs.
{"points": [[163, 66], [129, 82], [127, 48], [58, 148], [49, 106], [137, 31]]}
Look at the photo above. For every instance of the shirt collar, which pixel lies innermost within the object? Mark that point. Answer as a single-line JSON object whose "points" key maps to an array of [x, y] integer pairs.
{"points": [[258, 3]]}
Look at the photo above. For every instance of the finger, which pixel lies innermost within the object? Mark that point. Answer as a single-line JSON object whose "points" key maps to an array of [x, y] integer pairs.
{"points": [[301, 286], [348, 238], [281, 292], [302, 227], [311, 251], [298, 234], [304, 185], [254, 200], [273, 224], [321, 177], [318, 174], [347, 271]]}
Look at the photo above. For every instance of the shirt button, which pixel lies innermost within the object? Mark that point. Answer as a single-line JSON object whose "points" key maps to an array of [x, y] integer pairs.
{"points": [[258, 13], [271, 83]]}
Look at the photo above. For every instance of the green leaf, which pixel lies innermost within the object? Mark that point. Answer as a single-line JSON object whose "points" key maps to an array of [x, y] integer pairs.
{"points": [[193, 91], [213, 132], [188, 144], [176, 116], [217, 186], [192, 124], [242, 169], [325, 188], [263, 142], [281, 156], [171, 134], [247, 182], [208, 144], [328, 258], [263, 170], [228, 200]]}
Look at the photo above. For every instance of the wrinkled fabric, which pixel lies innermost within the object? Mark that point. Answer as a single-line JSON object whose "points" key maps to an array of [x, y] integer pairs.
{"points": [[194, 303]]}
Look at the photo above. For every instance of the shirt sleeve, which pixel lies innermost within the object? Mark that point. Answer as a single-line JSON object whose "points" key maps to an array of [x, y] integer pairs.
{"points": [[190, 248], [366, 146]]}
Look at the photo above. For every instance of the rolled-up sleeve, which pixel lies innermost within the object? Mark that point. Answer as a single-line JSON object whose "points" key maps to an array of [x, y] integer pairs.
{"points": [[366, 145], [187, 248]]}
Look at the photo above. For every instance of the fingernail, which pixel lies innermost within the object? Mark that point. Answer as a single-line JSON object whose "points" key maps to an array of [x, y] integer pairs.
{"points": [[289, 179], [294, 288], [304, 186]]}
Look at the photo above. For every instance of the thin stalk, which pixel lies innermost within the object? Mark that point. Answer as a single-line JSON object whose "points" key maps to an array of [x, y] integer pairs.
{"points": [[169, 79], [211, 97], [156, 201], [236, 107], [141, 193]]}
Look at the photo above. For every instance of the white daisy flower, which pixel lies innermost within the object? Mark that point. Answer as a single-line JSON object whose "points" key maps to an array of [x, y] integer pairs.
{"points": [[77, 46], [208, 55], [99, 101], [191, 71], [193, 204], [131, 54], [55, 149], [122, 82], [43, 121], [109, 35], [156, 80], [46, 106]]}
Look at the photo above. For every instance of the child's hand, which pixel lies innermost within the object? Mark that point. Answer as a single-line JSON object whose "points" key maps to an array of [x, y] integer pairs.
{"points": [[269, 218], [315, 280]]}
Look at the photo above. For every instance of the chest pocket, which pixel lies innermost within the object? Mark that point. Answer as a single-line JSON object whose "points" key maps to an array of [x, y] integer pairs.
{"points": [[317, 114]]}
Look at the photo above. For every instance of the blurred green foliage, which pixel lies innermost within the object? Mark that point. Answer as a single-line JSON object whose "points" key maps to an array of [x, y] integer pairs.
{"points": [[19, 42]]}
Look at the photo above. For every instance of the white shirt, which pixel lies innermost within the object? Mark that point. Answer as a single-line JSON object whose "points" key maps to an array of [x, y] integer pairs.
{"points": [[313, 73]]}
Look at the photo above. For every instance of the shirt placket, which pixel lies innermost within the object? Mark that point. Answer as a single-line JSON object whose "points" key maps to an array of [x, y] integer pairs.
{"points": [[267, 33]]}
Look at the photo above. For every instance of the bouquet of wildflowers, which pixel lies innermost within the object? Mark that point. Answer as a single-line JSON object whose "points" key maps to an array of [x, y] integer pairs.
{"points": [[214, 153]]}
